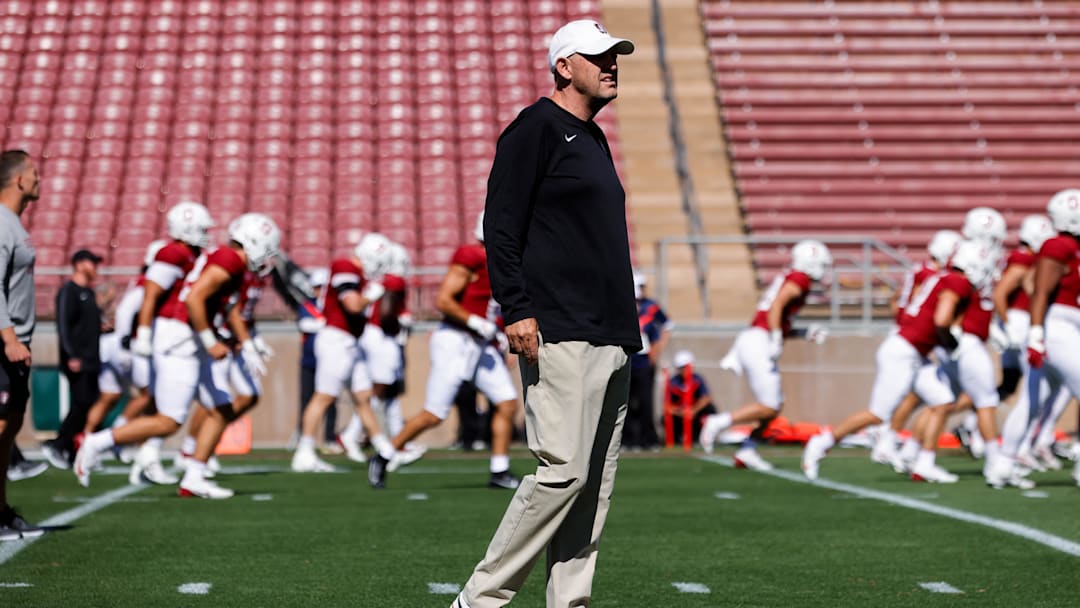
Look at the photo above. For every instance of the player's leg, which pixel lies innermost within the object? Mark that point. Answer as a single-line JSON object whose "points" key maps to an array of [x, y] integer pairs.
{"points": [[1066, 364], [14, 395], [935, 389], [335, 355], [216, 397], [493, 380], [897, 363], [751, 351]]}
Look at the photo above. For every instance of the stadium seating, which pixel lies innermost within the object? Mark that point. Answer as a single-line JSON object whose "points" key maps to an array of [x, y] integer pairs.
{"points": [[334, 116], [890, 119]]}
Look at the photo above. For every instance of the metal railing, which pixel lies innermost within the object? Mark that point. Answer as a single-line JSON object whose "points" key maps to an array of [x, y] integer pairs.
{"points": [[859, 283]]}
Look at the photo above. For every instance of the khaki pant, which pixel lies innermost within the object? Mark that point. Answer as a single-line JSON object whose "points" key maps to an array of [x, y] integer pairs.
{"points": [[575, 405]]}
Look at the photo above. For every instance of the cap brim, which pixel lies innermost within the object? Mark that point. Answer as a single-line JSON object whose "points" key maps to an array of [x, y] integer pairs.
{"points": [[621, 46]]}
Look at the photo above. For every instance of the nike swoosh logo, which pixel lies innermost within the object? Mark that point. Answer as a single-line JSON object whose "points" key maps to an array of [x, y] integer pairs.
{"points": [[570, 138]]}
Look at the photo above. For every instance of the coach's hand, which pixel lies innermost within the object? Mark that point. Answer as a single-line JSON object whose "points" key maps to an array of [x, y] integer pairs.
{"points": [[524, 338], [17, 352]]}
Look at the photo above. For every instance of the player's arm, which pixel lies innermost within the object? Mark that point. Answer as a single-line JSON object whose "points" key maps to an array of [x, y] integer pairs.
{"points": [[789, 291], [212, 278], [455, 281], [945, 316], [1048, 273], [240, 328], [389, 304], [1011, 280]]}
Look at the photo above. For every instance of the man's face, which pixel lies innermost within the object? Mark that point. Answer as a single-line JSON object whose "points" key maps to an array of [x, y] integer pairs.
{"points": [[595, 76], [88, 268], [29, 182]]}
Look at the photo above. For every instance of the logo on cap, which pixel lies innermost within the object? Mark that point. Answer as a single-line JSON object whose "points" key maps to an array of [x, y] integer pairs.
{"points": [[600, 28]]}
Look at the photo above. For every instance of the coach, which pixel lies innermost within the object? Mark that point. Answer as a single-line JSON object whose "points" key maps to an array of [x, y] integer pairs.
{"points": [[559, 261]]}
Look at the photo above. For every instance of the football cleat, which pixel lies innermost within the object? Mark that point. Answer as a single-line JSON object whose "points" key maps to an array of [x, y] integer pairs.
{"points": [[7, 533], [86, 460], [1025, 459], [156, 474], [203, 488], [709, 432], [505, 480], [13, 521], [376, 472], [812, 455], [1046, 458], [884, 452], [932, 474], [56, 455], [26, 469], [1076, 473], [748, 458], [352, 450], [405, 457], [305, 461], [213, 467]]}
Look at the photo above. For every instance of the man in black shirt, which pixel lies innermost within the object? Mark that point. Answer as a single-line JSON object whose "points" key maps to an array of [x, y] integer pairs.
{"points": [[559, 261], [78, 326]]}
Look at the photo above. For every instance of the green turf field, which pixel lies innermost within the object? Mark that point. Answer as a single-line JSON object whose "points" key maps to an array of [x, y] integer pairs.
{"points": [[728, 537]]}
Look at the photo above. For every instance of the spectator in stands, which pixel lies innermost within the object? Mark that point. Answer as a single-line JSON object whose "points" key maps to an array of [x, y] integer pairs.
{"points": [[560, 268], [655, 328], [685, 384], [310, 320], [19, 184], [78, 328]]}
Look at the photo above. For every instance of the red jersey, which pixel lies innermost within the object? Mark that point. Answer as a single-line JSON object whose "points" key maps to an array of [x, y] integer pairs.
{"points": [[979, 315], [476, 295], [171, 264], [912, 280], [1019, 298], [801, 280], [345, 276], [247, 297], [225, 257], [394, 285], [1066, 250], [917, 322]]}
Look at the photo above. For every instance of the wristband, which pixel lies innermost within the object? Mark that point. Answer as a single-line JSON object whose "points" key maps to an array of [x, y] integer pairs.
{"points": [[208, 338]]}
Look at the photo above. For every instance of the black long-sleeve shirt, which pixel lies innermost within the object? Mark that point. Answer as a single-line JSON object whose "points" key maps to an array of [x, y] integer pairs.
{"points": [[555, 230], [78, 324]]}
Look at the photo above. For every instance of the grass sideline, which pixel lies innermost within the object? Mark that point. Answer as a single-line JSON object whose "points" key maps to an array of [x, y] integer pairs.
{"points": [[750, 539]]}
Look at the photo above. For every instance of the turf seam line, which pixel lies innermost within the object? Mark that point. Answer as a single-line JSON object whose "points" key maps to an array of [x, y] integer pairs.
{"points": [[1047, 539], [10, 549]]}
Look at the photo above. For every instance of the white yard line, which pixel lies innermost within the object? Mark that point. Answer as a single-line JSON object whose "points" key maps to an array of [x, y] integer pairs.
{"points": [[9, 550], [444, 588], [691, 587], [940, 587], [1038, 536], [194, 588]]}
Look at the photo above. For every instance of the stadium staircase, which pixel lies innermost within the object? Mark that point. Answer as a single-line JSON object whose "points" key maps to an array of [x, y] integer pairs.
{"points": [[891, 119]]}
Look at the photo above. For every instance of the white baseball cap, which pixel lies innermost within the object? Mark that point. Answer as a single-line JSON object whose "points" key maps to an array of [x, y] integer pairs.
{"points": [[587, 37], [683, 358]]}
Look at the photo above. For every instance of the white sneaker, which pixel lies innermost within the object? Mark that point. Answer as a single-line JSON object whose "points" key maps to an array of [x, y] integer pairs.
{"points": [[977, 446], [86, 460], [155, 473], [709, 432], [213, 467], [1047, 459], [126, 454], [932, 474], [305, 461], [180, 461], [884, 452], [748, 458], [1076, 473], [352, 450], [812, 455], [405, 457], [1028, 461], [203, 488]]}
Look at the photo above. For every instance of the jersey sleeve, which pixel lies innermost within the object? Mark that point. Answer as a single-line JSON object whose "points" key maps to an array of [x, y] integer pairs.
{"points": [[1020, 258], [1058, 249], [344, 277], [468, 257], [394, 283], [168, 266], [227, 258], [958, 284], [800, 279]]}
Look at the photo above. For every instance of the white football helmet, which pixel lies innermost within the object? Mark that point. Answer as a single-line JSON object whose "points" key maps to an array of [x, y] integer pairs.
{"points": [[152, 250], [639, 285], [978, 261], [373, 251], [1034, 231], [260, 238], [479, 230], [1064, 211], [943, 245], [400, 264], [189, 222], [984, 224], [811, 257]]}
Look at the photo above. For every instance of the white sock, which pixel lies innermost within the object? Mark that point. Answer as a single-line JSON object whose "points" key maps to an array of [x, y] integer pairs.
{"points": [[101, 440], [187, 446], [723, 419], [971, 422], [887, 439], [196, 471], [500, 463], [925, 459], [118, 422], [828, 439], [1049, 423], [383, 446], [395, 421], [352, 430], [909, 450], [306, 443], [993, 451]]}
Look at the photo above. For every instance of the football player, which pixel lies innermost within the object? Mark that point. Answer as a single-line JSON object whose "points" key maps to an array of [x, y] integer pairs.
{"points": [[355, 284], [903, 364], [463, 350], [757, 349]]}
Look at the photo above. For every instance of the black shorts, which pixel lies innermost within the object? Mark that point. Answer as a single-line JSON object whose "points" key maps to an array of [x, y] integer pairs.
{"points": [[14, 387]]}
